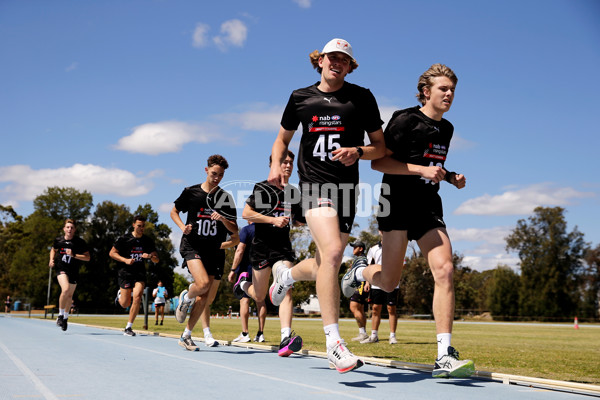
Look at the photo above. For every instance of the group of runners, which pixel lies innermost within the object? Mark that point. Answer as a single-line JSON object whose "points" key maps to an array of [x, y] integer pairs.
{"points": [[334, 115]]}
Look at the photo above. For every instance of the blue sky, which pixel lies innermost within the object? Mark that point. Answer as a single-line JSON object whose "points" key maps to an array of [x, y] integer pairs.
{"points": [[127, 99]]}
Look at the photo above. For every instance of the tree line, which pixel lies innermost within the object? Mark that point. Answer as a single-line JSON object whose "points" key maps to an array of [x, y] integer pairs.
{"points": [[558, 277]]}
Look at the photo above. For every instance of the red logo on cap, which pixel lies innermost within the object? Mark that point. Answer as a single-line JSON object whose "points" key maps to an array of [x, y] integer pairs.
{"points": [[342, 45]]}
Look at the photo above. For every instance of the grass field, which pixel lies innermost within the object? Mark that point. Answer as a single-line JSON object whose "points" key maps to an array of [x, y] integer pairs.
{"points": [[548, 351]]}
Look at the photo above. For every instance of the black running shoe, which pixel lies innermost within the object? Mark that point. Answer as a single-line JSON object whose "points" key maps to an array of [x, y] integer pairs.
{"points": [[59, 321], [64, 324], [128, 332], [289, 345]]}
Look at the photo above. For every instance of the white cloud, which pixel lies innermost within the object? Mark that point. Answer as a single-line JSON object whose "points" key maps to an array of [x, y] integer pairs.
{"points": [[166, 137], [480, 263], [25, 183], [233, 33], [521, 201], [303, 3], [200, 36], [259, 118], [165, 208], [72, 67], [493, 235]]}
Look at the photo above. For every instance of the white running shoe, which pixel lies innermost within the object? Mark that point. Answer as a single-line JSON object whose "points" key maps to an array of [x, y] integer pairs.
{"points": [[242, 338], [278, 290], [182, 308], [259, 338], [360, 337], [370, 339], [342, 359], [187, 343], [449, 366], [209, 341], [393, 340], [349, 282]]}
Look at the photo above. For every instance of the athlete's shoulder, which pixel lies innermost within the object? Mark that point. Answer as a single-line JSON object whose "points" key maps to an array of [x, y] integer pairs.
{"points": [[306, 91]]}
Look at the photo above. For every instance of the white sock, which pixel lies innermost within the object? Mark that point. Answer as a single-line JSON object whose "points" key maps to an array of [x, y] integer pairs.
{"points": [[66, 315], [245, 285], [206, 332], [332, 334], [443, 341], [359, 274], [61, 311], [187, 332], [285, 332], [374, 334], [129, 325], [286, 277], [392, 334], [362, 330]]}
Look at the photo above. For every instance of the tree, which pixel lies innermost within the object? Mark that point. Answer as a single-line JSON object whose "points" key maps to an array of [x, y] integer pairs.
{"points": [[11, 233], [416, 285], [503, 293], [62, 203], [550, 264], [590, 287], [99, 276]]}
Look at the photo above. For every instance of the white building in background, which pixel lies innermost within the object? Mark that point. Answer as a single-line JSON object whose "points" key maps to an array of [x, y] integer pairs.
{"points": [[311, 306]]}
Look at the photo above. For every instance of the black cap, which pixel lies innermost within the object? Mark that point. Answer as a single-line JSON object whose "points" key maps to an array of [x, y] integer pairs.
{"points": [[358, 243]]}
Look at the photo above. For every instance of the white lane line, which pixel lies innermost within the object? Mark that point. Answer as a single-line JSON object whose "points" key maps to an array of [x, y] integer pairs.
{"points": [[318, 389], [47, 393]]}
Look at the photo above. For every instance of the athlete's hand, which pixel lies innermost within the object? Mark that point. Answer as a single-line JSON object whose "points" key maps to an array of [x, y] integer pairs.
{"points": [[459, 181], [215, 216], [281, 222], [51, 263], [129, 261], [367, 286], [433, 173], [276, 177], [345, 155], [69, 252], [146, 255], [231, 276], [187, 229]]}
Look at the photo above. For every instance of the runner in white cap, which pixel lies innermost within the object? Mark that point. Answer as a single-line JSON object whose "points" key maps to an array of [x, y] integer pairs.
{"points": [[334, 115]]}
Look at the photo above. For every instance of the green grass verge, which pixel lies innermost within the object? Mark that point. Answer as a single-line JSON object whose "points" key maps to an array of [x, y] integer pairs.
{"points": [[535, 350]]}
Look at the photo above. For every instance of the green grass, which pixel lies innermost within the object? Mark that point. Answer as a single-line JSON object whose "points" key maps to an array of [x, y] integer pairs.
{"points": [[533, 350]]}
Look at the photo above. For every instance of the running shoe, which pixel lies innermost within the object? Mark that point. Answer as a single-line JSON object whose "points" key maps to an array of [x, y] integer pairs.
{"points": [[182, 308], [187, 343], [360, 337], [128, 332], [449, 366], [278, 290], [370, 339], [342, 359], [393, 340], [349, 282], [259, 338], [289, 345], [64, 324], [209, 341], [238, 292], [161, 322], [59, 321], [242, 338]]}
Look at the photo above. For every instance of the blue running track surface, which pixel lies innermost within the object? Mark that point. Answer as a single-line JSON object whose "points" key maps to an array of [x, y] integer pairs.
{"points": [[38, 360]]}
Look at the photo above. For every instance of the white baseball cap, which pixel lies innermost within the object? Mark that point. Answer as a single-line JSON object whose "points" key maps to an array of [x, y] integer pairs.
{"points": [[338, 45]]}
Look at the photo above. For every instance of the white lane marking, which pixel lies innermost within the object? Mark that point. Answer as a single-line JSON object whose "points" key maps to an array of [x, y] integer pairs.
{"points": [[240, 371], [47, 393]]}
